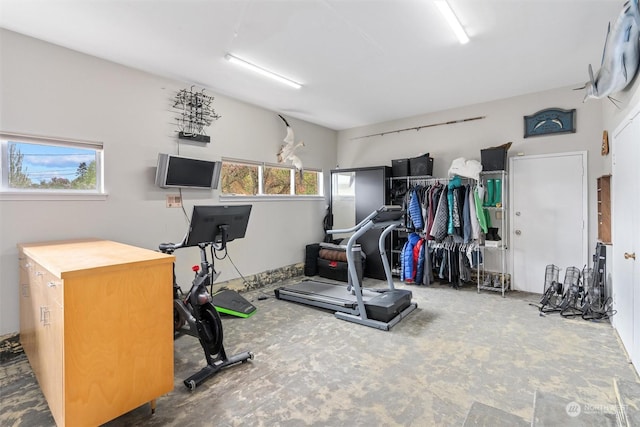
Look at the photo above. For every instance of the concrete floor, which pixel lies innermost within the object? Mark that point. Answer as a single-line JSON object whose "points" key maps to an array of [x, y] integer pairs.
{"points": [[457, 348]]}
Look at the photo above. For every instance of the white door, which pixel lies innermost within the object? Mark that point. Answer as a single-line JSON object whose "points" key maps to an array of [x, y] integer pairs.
{"points": [[548, 216], [626, 236]]}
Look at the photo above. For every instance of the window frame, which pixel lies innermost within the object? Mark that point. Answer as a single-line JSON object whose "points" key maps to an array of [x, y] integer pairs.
{"points": [[7, 193], [261, 195]]}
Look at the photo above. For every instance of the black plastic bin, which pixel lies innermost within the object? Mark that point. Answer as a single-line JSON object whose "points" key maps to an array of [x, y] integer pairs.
{"points": [[400, 167], [494, 159], [421, 165]]}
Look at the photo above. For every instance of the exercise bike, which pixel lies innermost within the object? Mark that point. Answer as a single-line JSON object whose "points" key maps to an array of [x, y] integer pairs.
{"points": [[194, 313]]}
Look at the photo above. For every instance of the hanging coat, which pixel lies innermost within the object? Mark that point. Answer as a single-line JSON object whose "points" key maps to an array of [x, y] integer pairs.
{"points": [[418, 261], [475, 224], [408, 273], [480, 214], [453, 183], [415, 211], [441, 219], [466, 215], [433, 196]]}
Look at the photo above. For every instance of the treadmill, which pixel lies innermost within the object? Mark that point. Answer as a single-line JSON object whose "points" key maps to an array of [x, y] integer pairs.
{"points": [[378, 308]]}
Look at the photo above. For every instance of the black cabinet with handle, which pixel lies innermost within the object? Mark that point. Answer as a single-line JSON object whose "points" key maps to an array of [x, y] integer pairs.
{"points": [[355, 193]]}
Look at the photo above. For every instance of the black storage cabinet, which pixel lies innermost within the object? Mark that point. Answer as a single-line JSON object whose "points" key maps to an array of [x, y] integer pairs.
{"points": [[371, 192]]}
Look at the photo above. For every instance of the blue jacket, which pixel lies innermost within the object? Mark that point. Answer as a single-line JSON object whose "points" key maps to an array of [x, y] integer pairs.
{"points": [[406, 271], [420, 259], [415, 211]]}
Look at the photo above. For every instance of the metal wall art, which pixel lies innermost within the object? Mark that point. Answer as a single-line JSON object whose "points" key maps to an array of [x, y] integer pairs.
{"points": [[195, 112], [550, 121]]}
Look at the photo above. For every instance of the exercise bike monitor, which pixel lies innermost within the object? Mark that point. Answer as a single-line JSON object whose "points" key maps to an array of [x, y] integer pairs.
{"points": [[217, 224]]}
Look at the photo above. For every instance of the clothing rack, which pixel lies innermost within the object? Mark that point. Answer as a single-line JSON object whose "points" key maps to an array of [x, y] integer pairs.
{"points": [[441, 239]]}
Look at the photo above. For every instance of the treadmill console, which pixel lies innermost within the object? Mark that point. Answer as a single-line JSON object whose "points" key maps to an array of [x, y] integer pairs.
{"points": [[388, 213]]}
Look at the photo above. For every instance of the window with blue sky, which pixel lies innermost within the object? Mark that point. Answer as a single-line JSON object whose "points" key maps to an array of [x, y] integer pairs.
{"points": [[32, 164]]}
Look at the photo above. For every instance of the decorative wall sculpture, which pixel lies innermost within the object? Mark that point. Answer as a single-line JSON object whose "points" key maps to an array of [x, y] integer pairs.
{"points": [[195, 112], [620, 58], [550, 121], [287, 152]]}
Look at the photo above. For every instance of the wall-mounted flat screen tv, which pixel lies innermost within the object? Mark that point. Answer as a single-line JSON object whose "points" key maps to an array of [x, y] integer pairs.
{"points": [[184, 172]]}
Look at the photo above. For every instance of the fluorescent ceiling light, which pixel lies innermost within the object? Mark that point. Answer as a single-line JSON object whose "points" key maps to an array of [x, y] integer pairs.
{"points": [[452, 20], [262, 71]]}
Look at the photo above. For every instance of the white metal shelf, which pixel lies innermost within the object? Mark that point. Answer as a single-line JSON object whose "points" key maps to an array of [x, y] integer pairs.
{"points": [[498, 247]]}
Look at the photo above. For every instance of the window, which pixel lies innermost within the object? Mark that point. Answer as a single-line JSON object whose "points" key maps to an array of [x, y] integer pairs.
{"points": [[276, 180], [34, 165], [244, 178], [240, 178]]}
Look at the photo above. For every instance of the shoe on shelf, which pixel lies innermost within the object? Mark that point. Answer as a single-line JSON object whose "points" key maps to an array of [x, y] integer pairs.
{"points": [[497, 281], [492, 234], [487, 280]]}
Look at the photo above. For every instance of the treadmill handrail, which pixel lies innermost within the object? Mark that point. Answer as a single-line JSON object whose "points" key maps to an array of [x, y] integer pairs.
{"points": [[355, 227], [361, 224]]}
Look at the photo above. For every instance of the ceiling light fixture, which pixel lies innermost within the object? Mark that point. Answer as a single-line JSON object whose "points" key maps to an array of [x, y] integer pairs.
{"points": [[452, 20], [262, 71]]}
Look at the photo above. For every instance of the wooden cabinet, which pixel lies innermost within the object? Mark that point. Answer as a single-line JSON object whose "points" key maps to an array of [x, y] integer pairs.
{"points": [[604, 209], [96, 323]]}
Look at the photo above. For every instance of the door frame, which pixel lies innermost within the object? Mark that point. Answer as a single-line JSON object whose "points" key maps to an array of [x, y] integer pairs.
{"points": [[632, 353], [585, 197]]}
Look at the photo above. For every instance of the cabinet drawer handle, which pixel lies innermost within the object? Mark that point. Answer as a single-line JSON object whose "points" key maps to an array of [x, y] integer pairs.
{"points": [[39, 273], [52, 284], [630, 255]]}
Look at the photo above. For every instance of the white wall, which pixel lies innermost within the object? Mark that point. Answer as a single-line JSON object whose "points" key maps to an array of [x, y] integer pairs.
{"points": [[52, 91], [503, 122]]}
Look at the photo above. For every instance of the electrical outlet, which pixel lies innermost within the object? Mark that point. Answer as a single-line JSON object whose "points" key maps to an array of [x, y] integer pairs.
{"points": [[174, 201]]}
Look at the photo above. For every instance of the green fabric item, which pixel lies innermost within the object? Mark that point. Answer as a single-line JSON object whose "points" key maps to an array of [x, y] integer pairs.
{"points": [[482, 219], [487, 215], [489, 187], [497, 194]]}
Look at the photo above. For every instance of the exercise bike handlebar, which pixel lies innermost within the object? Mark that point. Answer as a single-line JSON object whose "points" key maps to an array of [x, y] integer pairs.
{"points": [[168, 248]]}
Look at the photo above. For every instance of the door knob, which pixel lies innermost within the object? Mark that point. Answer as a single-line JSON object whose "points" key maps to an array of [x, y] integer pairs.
{"points": [[629, 255], [518, 232]]}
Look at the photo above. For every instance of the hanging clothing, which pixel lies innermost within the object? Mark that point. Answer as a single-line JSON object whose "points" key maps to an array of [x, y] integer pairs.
{"points": [[480, 214], [418, 261], [466, 215], [407, 273], [441, 219], [415, 211], [433, 197], [475, 224]]}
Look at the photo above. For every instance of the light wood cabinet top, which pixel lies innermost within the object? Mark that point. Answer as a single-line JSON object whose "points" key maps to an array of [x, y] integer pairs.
{"points": [[65, 258]]}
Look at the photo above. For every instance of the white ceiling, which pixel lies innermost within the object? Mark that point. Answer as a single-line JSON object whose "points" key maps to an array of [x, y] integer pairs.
{"points": [[360, 61]]}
